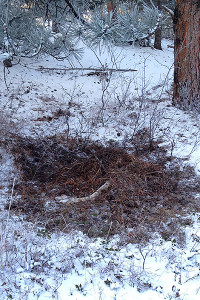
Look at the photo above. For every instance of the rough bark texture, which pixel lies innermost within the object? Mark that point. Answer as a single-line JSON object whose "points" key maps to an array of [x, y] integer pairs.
{"points": [[187, 54], [158, 38], [158, 32]]}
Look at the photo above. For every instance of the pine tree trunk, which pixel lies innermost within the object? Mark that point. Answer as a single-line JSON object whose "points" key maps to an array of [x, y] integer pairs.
{"points": [[158, 38], [111, 7], [158, 32], [187, 54]]}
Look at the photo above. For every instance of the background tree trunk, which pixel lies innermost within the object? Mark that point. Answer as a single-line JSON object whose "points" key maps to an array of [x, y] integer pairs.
{"points": [[111, 7], [187, 54], [158, 32]]}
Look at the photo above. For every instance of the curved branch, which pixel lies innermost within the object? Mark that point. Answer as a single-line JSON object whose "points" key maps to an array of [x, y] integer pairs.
{"points": [[34, 54], [170, 11], [74, 11], [71, 200]]}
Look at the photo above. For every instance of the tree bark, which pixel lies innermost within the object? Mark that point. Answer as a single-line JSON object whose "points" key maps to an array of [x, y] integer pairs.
{"points": [[111, 7], [186, 92], [158, 38], [158, 32]]}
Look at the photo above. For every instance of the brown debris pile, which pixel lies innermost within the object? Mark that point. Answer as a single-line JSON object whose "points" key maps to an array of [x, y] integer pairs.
{"points": [[141, 194]]}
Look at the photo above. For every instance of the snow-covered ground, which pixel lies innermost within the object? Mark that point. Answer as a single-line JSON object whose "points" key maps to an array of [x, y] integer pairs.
{"points": [[40, 97]]}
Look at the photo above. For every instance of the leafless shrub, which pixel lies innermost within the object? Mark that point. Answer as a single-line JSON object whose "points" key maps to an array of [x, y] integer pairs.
{"points": [[105, 83], [8, 127]]}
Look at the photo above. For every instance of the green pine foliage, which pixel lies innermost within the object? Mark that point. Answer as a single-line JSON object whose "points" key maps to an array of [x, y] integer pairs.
{"points": [[100, 31], [26, 29], [127, 24], [56, 27]]}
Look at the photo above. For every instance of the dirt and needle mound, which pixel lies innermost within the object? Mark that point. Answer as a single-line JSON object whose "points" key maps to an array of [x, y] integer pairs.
{"points": [[142, 195]]}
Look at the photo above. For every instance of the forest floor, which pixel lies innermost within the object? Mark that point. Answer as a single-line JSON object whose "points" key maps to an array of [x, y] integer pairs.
{"points": [[99, 179]]}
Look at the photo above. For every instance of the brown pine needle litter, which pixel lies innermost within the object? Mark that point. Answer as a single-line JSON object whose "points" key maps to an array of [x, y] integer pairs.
{"points": [[118, 190]]}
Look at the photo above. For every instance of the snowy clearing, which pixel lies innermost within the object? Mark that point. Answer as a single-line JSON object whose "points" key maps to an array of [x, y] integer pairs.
{"points": [[41, 98]]}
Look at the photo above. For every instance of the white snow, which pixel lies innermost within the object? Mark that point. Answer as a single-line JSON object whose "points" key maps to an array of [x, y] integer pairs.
{"points": [[4, 56], [38, 265]]}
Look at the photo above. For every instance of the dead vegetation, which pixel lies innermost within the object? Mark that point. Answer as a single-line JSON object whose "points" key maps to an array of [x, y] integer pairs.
{"points": [[142, 194]]}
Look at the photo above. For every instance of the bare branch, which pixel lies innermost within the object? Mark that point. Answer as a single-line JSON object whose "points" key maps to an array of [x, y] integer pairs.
{"points": [[170, 11], [70, 200], [88, 69], [34, 54]]}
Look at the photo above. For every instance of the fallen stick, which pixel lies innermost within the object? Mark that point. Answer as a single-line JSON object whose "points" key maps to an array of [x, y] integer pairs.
{"points": [[70, 200], [87, 69]]}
